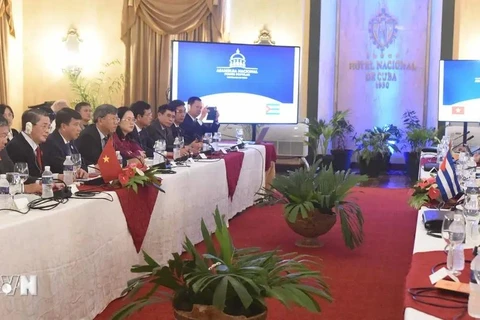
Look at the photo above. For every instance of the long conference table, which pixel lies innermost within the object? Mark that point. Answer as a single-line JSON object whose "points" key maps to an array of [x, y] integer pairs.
{"points": [[425, 243], [82, 251]]}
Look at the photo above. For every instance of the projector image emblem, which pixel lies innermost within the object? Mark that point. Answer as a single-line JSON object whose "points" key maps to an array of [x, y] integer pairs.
{"points": [[237, 67], [383, 29]]}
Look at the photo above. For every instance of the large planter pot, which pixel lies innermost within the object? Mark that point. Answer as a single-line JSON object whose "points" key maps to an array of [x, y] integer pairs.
{"points": [[386, 163], [412, 164], [341, 159], [374, 167], [326, 160], [204, 312], [316, 224]]}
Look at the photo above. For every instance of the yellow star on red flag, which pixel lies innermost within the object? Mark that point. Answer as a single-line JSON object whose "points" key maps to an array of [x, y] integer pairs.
{"points": [[106, 159]]}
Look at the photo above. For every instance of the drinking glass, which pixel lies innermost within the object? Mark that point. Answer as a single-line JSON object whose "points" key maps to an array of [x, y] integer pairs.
{"points": [[22, 169], [208, 137], [447, 221], [13, 179], [182, 141], [239, 135], [218, 136], [77, 161]]}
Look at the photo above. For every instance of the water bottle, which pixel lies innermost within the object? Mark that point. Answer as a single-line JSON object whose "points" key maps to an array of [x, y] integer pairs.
{"points": [[176, 148], [474, 298], [4, 192], [440, 150], [68, 173], [472, 213], [47, 183], [119, 158], [456, 255], [215, 141]]}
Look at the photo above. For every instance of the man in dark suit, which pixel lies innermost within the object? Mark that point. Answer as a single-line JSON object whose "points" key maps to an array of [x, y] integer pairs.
{"points": [[25, 147], [6, 164], [93, 138], [194, 128], [160, 129], [142, 112], [60, 144], [180, 112]]}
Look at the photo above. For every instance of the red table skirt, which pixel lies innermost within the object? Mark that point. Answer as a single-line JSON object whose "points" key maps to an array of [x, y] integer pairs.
{"points": [[417, 277]]}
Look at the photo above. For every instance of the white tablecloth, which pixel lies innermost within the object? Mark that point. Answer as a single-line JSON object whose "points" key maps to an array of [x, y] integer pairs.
{"points": [[424, 243], [81, 252]]}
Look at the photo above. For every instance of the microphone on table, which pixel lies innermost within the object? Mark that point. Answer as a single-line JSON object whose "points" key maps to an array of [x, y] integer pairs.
{"points": [[458, 145], [461, 136], [164, 165]]}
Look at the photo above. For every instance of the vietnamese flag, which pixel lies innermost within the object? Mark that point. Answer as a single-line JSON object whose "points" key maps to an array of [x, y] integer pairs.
{"points": [[108, 163], [458, 110]]}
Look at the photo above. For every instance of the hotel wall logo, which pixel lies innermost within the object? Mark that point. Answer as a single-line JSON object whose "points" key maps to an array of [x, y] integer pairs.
{"points": [[383, 66], [237, 68]]}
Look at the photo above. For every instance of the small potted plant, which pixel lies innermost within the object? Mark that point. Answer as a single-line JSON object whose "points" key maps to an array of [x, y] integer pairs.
{"points": [[372, 147], [393, 135], [313, 198], [225, 283], [341, 155], [417, 138], [320, 133]]}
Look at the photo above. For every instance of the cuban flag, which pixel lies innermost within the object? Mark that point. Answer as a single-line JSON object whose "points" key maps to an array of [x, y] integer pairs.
{"points": [[447, 178]]}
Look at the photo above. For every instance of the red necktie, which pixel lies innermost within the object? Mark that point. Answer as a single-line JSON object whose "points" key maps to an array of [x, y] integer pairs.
{"points": [[38, 154]]}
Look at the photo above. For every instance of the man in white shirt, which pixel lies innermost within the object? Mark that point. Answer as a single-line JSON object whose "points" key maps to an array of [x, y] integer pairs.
{"points": [[25, 147]]}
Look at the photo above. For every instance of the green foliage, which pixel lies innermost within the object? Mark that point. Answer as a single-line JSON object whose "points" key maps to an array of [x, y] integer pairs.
{"points": [[98, 90], [342, 128], [321, 133], [417, 137], [373, 143], [319, 191], [236, 281]]}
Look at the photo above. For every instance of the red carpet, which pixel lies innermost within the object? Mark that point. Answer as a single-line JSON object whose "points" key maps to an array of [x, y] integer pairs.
{"points": [[366, 283]]}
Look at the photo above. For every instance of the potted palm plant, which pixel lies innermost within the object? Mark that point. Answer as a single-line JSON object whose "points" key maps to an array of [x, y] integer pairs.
{"points": [[320, 133], [372, 147], [313, 198], [225, 283], [392, 135], [343, 128], [417, 138]]}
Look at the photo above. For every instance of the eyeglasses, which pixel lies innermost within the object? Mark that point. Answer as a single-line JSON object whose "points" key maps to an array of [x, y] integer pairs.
{"points": [[128, 119]]}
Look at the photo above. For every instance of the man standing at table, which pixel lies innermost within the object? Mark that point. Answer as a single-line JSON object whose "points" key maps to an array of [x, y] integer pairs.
{"points": [[194, 128]]}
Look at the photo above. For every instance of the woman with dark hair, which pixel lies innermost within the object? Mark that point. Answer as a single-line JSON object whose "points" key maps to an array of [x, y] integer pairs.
{"points": [[7, 113], [123, 139]]}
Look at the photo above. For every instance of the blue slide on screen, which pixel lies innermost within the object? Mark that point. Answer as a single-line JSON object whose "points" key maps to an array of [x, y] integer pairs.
{"points": [[459, 91], [247, 83]]}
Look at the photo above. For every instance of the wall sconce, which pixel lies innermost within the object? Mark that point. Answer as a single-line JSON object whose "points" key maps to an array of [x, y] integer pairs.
{"points": [[72, 57]]}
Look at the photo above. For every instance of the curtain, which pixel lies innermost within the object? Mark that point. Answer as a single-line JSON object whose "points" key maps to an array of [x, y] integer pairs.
{"points": [[148, 27], [6, 27]]}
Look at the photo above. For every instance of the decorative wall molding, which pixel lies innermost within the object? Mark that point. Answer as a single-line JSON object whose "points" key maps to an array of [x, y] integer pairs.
{"points": [[264, 37]]}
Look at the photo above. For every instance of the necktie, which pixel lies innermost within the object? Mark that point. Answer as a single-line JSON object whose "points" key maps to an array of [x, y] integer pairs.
{"points": [[38, 156], [69, 149], [104, 141]]}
